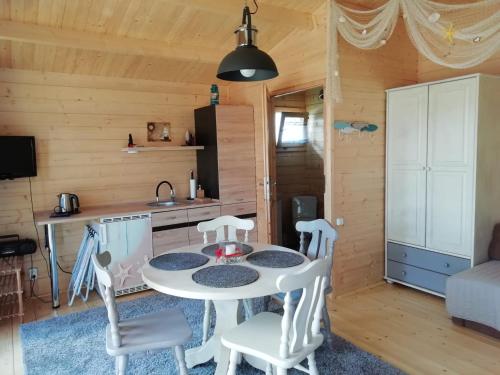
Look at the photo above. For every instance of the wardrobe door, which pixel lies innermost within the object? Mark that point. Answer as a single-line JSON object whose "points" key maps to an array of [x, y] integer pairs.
{"points": [[451, 153], [406, 164]]}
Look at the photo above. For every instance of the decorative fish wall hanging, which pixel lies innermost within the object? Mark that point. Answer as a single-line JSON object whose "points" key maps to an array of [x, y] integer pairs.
{"points": [[349, 127]]}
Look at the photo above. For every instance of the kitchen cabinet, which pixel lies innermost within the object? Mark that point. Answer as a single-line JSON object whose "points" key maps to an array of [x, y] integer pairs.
{"points": [[169, 239], [226, 166], [177, 228], [160, 219], [203, 213], [443, 184], [245, 210]]}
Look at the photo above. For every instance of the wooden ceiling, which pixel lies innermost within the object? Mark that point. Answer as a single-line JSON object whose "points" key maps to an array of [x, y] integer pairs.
{"points": [[171, 40]]}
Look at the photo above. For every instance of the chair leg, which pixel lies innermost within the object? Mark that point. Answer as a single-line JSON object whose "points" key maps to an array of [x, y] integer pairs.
{"points": [[233, 362], [121, 364], [267, 303], [326, 322], [311, 361], [181, 363], [269, 369], [206, 320], [248, 305]]}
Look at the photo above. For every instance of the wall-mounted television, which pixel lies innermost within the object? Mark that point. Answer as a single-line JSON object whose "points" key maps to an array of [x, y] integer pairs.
{"points": [[17, 157]]}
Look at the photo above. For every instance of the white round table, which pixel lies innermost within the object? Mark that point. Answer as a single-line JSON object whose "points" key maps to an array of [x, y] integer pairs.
{"points": [[226, 300]]}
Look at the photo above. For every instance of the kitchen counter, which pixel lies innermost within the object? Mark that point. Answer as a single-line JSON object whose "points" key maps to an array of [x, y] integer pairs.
{"points": [[121, 209]]}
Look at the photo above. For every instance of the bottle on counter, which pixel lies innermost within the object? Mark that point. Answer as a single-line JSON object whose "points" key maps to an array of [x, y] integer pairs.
{"points": [[192, 186], [214, 94], [200, 193]]}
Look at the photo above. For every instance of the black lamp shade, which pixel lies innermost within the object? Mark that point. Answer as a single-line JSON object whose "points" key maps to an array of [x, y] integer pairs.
{"points": [[247, 57]]}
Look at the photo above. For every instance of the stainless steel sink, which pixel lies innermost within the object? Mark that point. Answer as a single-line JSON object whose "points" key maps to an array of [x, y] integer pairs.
{"points": [[164, 204]]}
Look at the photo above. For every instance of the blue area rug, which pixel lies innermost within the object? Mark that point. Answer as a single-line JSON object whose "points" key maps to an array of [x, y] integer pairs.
{"points": [[75, 344]]}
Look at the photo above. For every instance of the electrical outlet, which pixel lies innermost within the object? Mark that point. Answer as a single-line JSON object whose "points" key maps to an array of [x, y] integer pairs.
{"points": [[33, 273], [340, 221]]}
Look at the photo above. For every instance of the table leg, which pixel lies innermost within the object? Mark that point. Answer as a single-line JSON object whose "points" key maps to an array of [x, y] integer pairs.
{"points": [[54, 282], [227, 317]]}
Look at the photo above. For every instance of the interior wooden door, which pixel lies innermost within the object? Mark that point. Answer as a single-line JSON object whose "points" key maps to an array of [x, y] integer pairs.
{"points": [[270, 179], [451, 153], [406, 165]]}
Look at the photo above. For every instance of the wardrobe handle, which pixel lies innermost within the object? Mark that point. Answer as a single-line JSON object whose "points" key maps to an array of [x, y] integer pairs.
{"points": [[405, 255], [403, 273], [429, 169], [447, 265]]}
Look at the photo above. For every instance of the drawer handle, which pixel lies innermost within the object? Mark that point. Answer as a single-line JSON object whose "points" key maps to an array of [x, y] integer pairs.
{"points": [[405, 255], [447, 265], [403, 273]]}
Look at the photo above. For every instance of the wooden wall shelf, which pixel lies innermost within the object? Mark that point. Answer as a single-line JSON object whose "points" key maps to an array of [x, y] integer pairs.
{"points": [[134, 150]]}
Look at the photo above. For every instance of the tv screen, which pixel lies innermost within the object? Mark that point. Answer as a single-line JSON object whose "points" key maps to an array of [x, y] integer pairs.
{"points": [[17, 157]]}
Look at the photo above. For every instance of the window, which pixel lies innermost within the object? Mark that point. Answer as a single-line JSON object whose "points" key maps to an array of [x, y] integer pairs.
{"points": [[290, 129]]}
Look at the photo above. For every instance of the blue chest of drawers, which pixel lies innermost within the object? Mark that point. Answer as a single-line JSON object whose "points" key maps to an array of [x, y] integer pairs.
{"points": [[422, 268]]}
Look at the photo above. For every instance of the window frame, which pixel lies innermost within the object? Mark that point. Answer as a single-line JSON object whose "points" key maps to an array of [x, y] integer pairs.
{"points": [[284, 115]]}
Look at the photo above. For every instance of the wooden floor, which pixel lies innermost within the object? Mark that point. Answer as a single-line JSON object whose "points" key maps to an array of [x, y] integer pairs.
{"points": [[404, 327]]}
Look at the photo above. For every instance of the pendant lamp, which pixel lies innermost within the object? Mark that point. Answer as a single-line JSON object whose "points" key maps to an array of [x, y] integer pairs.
{"points": [[246, 62]]}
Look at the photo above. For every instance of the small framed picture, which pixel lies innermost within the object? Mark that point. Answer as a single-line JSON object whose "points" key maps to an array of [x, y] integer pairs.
{"points": [[159, 132]]}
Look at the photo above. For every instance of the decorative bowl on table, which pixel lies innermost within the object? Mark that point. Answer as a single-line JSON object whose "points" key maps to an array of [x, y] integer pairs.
{"points": [[229, 252]]}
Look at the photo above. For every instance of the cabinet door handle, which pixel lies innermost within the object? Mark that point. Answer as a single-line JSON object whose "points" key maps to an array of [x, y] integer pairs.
{"points": [[403, 273], [429, 169], [405, 255], [447, 265]]}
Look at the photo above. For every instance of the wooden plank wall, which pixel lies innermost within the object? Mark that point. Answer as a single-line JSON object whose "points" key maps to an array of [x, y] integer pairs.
{"points": [[80, 124], [429, 71], [357, 163]]}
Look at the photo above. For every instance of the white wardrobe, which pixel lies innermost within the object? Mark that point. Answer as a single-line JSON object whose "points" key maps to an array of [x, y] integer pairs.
{"points": [[443, 178]]}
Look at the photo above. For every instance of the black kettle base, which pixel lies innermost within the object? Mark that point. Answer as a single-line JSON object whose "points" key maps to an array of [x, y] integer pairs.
{"points": [[63, 214]]}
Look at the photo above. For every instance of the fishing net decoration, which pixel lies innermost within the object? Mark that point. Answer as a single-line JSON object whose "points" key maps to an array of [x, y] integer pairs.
{"points": [[457, 36]]}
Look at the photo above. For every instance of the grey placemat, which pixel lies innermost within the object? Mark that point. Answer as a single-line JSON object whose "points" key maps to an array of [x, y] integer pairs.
{"points": [[275, 259], [210, 249], [178, 261], [225, 276]]}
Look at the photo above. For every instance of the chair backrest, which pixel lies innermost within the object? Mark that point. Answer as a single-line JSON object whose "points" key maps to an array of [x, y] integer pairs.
{"points": [[107, 291], [322, 241], [298, 330], [220, 224]]}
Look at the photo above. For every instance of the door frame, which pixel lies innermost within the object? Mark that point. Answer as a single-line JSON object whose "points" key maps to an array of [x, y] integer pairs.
{"points": [[327, 149]]}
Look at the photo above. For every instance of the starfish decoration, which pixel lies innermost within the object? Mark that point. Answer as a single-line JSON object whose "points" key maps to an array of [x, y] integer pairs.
{"points": [[449, 33], [123, 273]]}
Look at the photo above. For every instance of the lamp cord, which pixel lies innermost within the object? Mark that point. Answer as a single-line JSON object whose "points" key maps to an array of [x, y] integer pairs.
{"points": [[256, 7]]}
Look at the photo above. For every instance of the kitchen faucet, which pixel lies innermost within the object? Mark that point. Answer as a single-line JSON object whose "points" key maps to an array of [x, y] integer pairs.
{"points": [[172, 191]]}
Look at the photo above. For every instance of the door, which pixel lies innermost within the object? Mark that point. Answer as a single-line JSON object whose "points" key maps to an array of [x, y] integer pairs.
{"points": [[452, 134], [406, 165], [270, 179]]}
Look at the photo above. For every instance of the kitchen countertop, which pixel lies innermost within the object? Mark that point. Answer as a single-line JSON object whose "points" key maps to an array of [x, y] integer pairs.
{"points": [[121, 209]]}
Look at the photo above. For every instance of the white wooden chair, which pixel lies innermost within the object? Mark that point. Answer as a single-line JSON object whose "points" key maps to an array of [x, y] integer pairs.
{"points": [[154, 331], [321, 246], [220, 226], [285, 341]]}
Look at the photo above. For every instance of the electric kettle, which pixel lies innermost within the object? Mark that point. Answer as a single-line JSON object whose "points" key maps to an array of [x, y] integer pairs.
{"points": [[68, 203]]}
